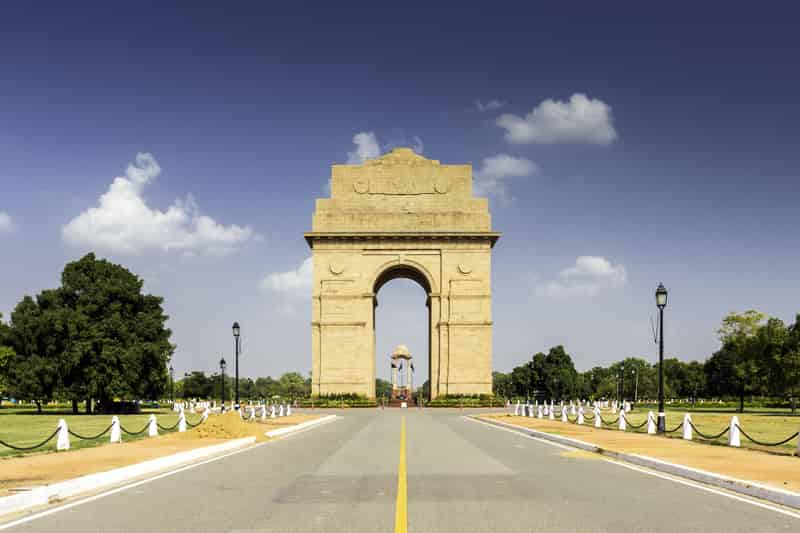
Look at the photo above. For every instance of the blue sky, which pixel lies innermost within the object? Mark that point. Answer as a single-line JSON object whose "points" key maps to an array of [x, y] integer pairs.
{"points": [[685, 171]]}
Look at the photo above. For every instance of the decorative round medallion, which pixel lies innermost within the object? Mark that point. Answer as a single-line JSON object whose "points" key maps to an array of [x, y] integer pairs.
{"points": [[441, 185], [361, 185], [464, 269], [336, 269]]}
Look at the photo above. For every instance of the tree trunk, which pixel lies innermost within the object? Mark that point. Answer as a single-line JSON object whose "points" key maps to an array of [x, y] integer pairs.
{"points": [[74, 406], [38, 406], [741, 401], [88, 406]]}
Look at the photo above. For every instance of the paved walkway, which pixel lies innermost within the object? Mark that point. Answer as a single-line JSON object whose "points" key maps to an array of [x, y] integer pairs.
{"points": [[461, 476]]}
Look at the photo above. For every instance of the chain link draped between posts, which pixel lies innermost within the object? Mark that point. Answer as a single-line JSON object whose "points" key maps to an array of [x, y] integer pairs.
{"points": [[29, 448], [679, 426], [134, 433], [784, 441], [193, 425], [633, 426], [81, 437], [709, 437], [163, 428]]}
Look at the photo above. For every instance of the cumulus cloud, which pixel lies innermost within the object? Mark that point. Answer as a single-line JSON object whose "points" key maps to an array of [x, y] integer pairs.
{"points": [[367, 147], [488, 106], [587, 277], [122, 222], [579, 120], [6, 224], [491, 178], [295, 282]]}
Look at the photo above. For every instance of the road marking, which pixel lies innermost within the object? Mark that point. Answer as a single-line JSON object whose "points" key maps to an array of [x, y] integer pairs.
{"points": [[111, 492], [401, 506], [689, 483]]}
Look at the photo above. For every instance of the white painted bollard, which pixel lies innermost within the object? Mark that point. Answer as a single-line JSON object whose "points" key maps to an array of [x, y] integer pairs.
{"points": [[272, 411], [152, 427], [572, 409], [182, 421], [580, 416], [116, 432], [288, 409], [530, 411], [552, 415], [252, 414], [241, 416], [613, 408], [623, 424], [651, 423], [546, 409], [63, 436], [733, 435], [563, 414], [598, 422], [206, 412], [687, 426], [280, 410], [263, 413], [516, 409], [538, 411]]}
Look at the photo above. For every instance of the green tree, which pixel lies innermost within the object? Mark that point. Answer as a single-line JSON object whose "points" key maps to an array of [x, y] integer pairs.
{"points": [[115, 340], [293, 385], [33, 371], [557, 376], [501, 385], [6, 353], [383, 388], [522, 380], [738, 335]]}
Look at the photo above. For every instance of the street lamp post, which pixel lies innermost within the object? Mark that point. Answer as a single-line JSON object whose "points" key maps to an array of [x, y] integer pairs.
{"points": [[636, 386], [222, 365], [661, 303], [236, 342], [171, 385], [622, 383]]}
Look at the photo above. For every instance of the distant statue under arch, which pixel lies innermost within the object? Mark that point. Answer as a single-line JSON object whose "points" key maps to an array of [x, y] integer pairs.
{"points": [[401, 216]]}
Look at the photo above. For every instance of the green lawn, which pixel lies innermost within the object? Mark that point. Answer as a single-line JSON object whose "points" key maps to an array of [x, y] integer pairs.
{"points": [[766, 425], [23, 427]]}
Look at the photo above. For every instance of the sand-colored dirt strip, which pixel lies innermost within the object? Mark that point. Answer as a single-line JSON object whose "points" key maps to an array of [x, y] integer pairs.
{"points": [[781, 471], [44, 469]]}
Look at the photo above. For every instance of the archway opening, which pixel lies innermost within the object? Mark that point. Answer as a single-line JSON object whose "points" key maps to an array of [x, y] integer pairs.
{"points": [[402, 317]]}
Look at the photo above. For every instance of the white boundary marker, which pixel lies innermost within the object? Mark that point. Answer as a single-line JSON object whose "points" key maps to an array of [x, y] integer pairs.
{"points": [[296, 431], [675, 474]]}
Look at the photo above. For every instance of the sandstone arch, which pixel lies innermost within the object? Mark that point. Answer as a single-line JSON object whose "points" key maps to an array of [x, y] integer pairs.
{"points": [[401, 215]]}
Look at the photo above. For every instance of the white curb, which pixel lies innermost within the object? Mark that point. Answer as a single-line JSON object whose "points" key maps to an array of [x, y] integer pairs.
{"points": [[749, 488], [65, 489], [297, 427]]}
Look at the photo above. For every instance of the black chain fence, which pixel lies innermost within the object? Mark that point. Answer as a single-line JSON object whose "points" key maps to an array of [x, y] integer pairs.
{"points": [[29, 448], [95, 437], [704, 436]]}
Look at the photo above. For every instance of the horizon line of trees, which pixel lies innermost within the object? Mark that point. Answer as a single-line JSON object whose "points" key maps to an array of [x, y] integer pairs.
{"points": [[758, 356]]}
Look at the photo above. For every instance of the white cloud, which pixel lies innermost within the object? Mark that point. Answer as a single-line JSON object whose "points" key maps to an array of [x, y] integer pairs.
{"points": [[295, 282], [580, 120], [587, 277], [594, 267], [6, 224], [367, 147], [488, 106], [122, 222], [490, 178]]}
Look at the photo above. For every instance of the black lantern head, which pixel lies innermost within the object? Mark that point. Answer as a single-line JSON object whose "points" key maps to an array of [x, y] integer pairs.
{"points": [[222, 364], [235, 329], [661, 296]]}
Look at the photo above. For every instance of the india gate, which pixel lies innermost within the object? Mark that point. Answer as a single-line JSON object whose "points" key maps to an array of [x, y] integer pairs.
{"points": [[401, 216]]}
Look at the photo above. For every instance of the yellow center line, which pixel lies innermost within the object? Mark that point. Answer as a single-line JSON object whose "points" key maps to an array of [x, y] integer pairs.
{"points": [[401, 506]]}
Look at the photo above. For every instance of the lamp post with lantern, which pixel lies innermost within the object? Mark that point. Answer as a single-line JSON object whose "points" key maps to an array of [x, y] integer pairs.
{"points": [[236, 332], [661, 303], [222, 365]]}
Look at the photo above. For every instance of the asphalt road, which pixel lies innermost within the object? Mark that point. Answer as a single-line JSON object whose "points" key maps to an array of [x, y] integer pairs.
{"points": [[463, 476]]}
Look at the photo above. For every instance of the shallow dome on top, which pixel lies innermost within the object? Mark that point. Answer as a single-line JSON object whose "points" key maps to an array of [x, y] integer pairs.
{"points": [[401, 351]]}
